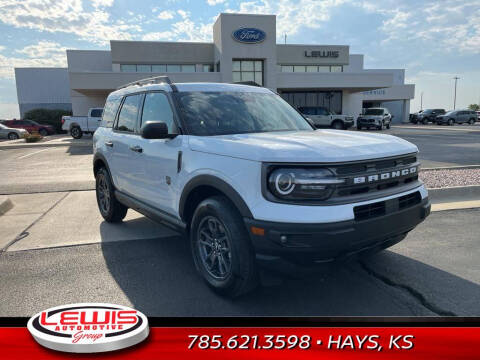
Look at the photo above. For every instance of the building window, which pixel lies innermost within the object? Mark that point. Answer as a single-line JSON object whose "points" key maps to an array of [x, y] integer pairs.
{"points": [[207, 67], [144, 68], [248, 70], [159, 68], [128, 68], [311, 68]]}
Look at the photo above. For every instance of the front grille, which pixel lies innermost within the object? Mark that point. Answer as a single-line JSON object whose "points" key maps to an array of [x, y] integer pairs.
{"points": [[409, 200], [365, 169], [381, 208], [369, 211]]}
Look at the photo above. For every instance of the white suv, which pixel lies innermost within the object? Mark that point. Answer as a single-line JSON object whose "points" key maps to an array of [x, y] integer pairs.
{"points": [[249, 180]]}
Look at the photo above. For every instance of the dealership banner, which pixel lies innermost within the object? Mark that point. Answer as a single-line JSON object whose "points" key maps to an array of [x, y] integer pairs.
{"points": [[335, 342]]}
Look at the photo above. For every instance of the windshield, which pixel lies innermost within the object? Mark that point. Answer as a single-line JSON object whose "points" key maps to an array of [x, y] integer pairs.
{"points": [[222, 113], [427, 111], [374, 112], [451, 112], [2, 126]]}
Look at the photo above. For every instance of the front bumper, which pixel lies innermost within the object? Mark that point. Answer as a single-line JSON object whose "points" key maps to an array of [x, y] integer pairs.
{"points": [[305, 244], [348, 123]]}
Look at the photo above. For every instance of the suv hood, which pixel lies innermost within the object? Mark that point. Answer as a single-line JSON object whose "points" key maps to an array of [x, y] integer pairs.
{"points": [[303, 146]]}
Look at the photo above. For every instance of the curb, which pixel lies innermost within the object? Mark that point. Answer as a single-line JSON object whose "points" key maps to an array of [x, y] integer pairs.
{"points": [[5, 204], [457, 193], [40, 145], [461, 167]]}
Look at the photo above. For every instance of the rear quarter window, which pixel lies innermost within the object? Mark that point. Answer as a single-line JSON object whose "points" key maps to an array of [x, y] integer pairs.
{"points": [[109, 112]]}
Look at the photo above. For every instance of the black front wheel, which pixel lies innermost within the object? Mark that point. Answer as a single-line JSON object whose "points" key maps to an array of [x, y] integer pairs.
{"points": [[76, 132], [43, 132], [110, 208], [12, 136], [450, 122], [221, 248]]}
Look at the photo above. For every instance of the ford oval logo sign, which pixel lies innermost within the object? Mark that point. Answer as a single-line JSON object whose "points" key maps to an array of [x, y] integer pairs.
{"points": [[249, 35]]}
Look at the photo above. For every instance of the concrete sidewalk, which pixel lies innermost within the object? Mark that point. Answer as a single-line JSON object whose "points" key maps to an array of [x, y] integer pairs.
{"points": [[49, 141], [68, 218]]}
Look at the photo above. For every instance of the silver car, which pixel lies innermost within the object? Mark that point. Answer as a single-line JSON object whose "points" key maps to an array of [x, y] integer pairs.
{"points": [[458, 117], [11, 133]]}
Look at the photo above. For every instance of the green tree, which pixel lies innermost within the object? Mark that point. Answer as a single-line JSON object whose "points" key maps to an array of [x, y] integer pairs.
{"points": [[474, 107], [47, 116]]}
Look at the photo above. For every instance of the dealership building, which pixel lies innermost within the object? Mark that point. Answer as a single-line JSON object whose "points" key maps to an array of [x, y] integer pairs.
{"points": [[244, 48]]}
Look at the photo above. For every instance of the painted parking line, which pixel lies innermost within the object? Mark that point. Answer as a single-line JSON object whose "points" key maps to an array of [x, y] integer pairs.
{"points": [[457, 205], [434, 128], [36, 152]]}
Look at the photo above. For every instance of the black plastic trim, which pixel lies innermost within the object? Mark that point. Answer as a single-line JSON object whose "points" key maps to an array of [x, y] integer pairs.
{"points": [[218, 184], [151, 212]]}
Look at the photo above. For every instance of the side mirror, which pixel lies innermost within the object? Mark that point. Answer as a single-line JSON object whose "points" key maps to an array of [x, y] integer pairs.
{"points": [[155, 130]]}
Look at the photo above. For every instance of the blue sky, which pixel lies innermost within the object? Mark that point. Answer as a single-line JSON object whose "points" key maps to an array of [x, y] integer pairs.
{"points": [[433, 40]]}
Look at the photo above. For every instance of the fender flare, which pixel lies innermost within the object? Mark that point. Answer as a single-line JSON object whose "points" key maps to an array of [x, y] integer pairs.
{"points": [[220, 185], [99, 156]]}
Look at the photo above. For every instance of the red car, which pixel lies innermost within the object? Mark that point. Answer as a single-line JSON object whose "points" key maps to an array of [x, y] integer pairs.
{"points": [[31, 126]]}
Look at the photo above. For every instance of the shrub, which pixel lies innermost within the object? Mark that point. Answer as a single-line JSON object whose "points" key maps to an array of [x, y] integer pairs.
{"points": [[47, 117], [34, 137]]}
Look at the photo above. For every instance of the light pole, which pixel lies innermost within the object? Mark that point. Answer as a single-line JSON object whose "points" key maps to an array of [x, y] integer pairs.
{"points": [[421, 100], [455, 94]]}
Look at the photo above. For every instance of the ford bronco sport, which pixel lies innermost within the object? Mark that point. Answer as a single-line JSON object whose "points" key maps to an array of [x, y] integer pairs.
{"points": [[250, 180]]}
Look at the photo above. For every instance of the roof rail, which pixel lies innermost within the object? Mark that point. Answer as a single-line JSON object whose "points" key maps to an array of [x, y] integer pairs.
{"points": [[152, 80], [249, 82]]}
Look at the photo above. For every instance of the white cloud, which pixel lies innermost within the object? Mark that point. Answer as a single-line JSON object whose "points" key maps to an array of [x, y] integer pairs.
{"points": [[291, 15], [42, 54], [102, 3], [215, 2], [166, 15], [159, 36], [67, 17], [184, 14]]}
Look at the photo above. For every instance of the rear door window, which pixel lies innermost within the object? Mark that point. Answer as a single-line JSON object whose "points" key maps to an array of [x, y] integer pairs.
{"points": [[127, 118], [157, 108], [109, 112]]}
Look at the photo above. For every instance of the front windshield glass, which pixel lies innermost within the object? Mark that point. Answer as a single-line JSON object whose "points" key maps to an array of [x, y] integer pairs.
{"points": [[2, 126], [451, 112], [428, 111], [222, 113], [374, 112]]}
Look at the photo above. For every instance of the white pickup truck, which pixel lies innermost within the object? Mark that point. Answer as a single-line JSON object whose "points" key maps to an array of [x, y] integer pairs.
{"points": [[79, 125]]}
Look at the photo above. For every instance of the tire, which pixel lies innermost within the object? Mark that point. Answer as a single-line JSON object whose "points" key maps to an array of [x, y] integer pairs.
{"points": [[450, 122], [76, 132], [13, 136], [381, 127], [43, 132], [110, 208], [338, 125], [216, 218], [425, 121], [388, 126], [471, 121], [359, 127]]}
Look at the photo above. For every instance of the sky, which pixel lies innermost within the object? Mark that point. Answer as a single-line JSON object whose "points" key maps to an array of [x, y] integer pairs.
{"points": [[433, 40]]}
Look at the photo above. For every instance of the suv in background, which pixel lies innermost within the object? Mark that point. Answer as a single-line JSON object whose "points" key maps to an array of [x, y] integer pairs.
{"points": [[322, 117], [457, 117], [31, 126], [426, 116], [378, 118], [249, 180]]}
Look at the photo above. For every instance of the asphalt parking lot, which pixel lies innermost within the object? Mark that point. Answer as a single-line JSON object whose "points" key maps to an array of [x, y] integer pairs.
{"points": [[57, 250]]}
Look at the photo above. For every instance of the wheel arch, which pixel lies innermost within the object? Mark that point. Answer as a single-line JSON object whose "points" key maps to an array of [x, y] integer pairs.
{"points": [[98, 162], [204, 186]]}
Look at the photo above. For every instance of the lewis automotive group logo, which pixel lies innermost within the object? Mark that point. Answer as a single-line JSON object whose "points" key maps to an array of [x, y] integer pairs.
{"points": [[88, 327]]}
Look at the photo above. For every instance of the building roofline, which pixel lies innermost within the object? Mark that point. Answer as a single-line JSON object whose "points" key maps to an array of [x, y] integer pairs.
{"points": [[162, 42]]}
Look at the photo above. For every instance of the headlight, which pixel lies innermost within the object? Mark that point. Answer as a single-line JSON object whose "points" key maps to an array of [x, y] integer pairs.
{"points": [[298, 183]]}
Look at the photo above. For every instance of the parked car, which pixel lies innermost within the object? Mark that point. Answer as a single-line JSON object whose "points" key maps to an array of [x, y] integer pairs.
{"points": [[31, 126], [11, 133], [322, 117], [79, 125], [426, 116], [378, 118], [249, 180], [478, 114], [457, 117]]}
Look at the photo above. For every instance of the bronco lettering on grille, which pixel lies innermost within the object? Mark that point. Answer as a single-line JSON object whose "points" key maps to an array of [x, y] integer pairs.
{"points": [[384, 176]]}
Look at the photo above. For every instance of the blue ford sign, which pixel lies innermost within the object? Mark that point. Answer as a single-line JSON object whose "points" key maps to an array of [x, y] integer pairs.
{"points": [[249, 35]]}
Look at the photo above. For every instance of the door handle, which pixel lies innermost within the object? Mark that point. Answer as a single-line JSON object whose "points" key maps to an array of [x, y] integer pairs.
{"points": [[109, 143], [136, 148]]}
